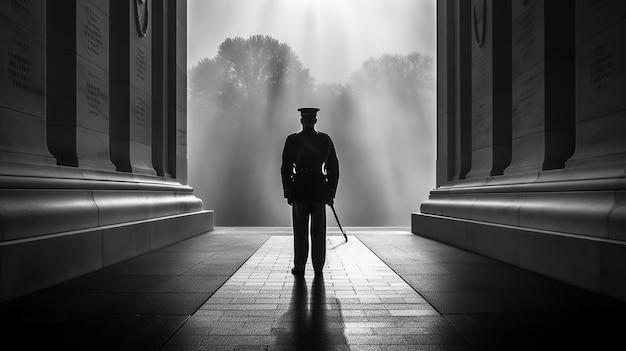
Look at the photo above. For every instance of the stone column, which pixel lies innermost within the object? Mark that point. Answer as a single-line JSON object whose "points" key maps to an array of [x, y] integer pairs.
{"points": [[177, 72], [445, 92], [463, 92], [491, 87], [78, 83], [160, 88], [600, 85], [131, 86], [543, 85], [23, 82]]}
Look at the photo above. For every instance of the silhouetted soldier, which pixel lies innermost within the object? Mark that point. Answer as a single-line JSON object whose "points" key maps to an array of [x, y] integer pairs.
{"points": [[310, 173]]}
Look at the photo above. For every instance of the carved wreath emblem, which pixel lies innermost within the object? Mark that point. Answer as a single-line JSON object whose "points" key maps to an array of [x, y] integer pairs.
{"points": [[480, 22], [142, 29]]}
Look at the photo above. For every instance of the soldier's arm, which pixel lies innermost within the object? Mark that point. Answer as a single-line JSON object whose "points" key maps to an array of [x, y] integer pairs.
{"points": [[332, 168], [286, 166]]}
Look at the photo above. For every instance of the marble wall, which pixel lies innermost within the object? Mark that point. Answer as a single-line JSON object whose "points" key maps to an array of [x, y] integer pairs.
{"points": [[536, 166], [93, 151]]}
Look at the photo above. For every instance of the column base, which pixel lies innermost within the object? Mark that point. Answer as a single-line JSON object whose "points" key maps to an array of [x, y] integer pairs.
{"points": [[74, 221], [9, 157], [39, 262], [591, 263], [99, 166]]}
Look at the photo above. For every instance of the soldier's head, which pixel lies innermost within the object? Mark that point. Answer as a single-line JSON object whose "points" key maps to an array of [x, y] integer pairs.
{"points": [[308, 116]]}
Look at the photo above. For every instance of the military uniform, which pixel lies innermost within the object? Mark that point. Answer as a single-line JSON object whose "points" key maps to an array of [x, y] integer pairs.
{"points": [[310, 173]]}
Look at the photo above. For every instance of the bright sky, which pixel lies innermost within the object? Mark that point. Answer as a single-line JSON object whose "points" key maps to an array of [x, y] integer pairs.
{"points": [[332, 38]]}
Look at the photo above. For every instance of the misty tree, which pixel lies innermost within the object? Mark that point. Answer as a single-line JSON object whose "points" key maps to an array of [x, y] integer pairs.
{"points": [[408, 78], [248, 74], [202, 84]]}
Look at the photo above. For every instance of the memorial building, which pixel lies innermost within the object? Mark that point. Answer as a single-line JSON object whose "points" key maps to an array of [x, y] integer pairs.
{"points": [[531, 137], [93, 150]]}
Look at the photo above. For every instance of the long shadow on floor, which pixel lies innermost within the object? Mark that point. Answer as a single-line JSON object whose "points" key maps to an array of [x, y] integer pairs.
{"points": [[314, 324]]}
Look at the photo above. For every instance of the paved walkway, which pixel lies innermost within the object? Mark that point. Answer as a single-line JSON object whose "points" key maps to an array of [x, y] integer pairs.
{"points": [[385, 289], [358, 301]]}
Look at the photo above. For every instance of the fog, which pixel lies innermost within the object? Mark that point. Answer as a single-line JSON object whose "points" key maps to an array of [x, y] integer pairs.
{"points": [[243, 100]]}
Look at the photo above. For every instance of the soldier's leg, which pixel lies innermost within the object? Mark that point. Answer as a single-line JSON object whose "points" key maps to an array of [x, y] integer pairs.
{"points": [[318, 236], [300, 219]]}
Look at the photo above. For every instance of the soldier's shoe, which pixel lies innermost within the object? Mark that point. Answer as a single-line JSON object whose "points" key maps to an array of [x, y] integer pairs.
{"points": [[297, 271]]}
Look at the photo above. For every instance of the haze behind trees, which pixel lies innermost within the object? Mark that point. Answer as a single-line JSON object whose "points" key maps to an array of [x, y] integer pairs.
{"points": [[243, 104]]}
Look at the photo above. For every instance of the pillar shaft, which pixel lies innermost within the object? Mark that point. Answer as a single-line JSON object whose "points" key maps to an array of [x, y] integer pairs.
{"points": [[131, 86], [177, 97], [23, 83], [463, 92], [491, 87], [446, 109], [78, 83], [160, 89], [542, 86], [600, 85]]}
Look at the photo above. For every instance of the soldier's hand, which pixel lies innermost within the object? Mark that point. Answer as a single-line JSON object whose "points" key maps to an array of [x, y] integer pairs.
{"points": [[330, 202]]}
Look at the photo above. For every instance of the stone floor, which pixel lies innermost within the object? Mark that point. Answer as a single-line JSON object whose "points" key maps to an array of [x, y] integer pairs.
{"points": [[385, 289]]}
